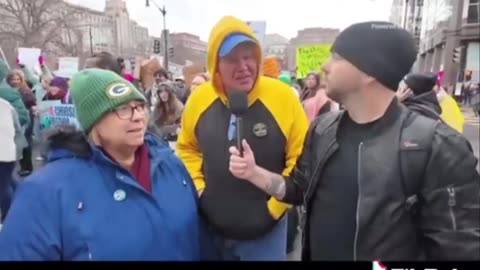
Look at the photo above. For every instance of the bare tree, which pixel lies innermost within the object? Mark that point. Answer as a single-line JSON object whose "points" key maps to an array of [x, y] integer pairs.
{"points": [[38, 23]]}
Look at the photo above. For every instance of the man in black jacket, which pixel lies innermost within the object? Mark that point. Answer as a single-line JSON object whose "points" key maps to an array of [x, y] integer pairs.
{"points": [[378, 181], [416, 92]]}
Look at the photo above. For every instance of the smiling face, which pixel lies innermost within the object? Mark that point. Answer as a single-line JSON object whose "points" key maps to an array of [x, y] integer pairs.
{"points": [[15, 81], [239, 69], [125, 126]]}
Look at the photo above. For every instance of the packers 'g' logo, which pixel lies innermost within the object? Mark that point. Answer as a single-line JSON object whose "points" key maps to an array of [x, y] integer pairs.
{"points": [[118, 90]]}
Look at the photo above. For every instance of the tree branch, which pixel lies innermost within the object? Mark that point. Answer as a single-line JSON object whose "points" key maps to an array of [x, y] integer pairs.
{"points": [[35, 22]]}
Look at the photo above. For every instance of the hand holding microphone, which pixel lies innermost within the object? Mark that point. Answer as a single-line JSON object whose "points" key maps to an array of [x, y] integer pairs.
{"points": [[238, 104], [242, 166], [242, 159]]}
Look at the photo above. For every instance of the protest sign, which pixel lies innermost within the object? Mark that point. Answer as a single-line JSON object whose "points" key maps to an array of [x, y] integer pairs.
{"points": [[39, 92], [189, 72], [147, 70], [58, 114], [68, 66], [139, 62], [29, 57], [176, 70], [311, 58], [44, 112], [271, 66], [44, 106]]}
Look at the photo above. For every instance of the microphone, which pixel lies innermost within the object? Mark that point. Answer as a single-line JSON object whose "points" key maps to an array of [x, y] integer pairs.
{"points": [[238, 106]]}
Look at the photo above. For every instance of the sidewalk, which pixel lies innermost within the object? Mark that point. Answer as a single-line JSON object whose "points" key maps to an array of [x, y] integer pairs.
{"points": [[470, 117]]}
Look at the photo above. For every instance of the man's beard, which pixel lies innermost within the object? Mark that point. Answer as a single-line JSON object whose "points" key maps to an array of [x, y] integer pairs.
{"points": [[335, 94]]}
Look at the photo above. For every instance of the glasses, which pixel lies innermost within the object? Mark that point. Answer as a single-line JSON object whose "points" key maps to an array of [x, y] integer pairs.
{"points": [[126, 112]]}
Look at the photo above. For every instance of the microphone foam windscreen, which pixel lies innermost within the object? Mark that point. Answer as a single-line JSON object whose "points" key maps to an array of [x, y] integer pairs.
{"points": [[238, 102]]}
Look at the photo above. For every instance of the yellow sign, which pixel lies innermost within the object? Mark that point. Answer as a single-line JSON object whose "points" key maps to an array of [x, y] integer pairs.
{"points": [[311, 58]]}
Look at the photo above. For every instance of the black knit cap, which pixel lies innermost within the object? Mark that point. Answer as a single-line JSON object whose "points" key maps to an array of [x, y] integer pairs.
{"points": [[421, 83], [380, 49]]}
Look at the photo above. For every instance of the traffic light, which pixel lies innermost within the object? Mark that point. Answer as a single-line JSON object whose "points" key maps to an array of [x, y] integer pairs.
{"points": [[457, 54], [156, 46], [170, 52]]}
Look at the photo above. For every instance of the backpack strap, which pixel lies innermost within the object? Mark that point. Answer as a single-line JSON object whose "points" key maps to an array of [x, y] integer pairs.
{"points": [[415, 150]]}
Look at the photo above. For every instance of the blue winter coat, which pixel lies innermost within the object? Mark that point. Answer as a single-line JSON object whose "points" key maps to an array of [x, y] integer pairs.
{"points": [[92, 209]]}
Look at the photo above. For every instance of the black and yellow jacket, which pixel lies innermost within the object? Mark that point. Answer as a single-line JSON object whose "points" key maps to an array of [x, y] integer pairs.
{"points": [[275, 126]]}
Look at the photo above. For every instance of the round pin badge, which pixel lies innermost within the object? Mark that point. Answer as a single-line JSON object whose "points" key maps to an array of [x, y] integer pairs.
{"points": [[260, 130], [119, 195]]}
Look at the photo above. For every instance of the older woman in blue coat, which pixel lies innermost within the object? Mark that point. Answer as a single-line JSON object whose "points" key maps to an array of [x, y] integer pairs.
{"points": [[111, 192]]}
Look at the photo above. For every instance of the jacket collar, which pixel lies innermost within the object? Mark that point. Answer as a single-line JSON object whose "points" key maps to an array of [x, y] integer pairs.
{"points": [[389, 118], [428, 99], [158, 149]]}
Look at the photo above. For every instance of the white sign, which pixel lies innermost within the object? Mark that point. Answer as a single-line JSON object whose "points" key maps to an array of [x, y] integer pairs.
{"points": [[68, 66], [260, 28], [29, 57], [175, 69]]}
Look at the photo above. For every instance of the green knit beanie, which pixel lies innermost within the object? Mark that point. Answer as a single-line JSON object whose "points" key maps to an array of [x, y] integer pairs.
{"points": [[96, 92]]}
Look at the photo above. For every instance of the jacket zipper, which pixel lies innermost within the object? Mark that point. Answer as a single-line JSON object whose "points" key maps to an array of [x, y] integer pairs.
{"points": [[89, 252], [357, 218], [451, 203]]}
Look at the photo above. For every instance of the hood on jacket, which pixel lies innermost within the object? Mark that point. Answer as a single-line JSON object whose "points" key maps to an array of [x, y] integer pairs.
{"points": [[427, 99], [225, 27], [171, 87], [66, 141], [4, 70]]}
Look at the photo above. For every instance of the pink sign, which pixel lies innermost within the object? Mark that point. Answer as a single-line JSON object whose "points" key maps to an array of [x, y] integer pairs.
{"points": [[440, 77]]}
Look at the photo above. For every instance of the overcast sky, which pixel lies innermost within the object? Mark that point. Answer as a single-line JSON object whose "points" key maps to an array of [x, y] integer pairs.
{"points": [[284, 17]]}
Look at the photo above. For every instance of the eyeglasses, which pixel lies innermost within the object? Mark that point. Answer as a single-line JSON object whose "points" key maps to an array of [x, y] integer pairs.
{"points": [[126, 112]]}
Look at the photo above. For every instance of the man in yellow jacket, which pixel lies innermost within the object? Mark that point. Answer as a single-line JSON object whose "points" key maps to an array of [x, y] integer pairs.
{"points": [[248, 224]]}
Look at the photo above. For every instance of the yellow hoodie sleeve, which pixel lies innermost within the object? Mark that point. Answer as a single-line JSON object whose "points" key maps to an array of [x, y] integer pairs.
{"points": [[187, 144], [293, 123], [187, 148], [296, 137]]}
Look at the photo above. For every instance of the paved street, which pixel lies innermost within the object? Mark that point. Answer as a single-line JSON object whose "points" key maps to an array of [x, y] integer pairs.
{"points": [[472, 132]]}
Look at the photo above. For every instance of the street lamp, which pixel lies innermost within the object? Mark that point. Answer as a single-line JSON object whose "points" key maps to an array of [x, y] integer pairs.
{"points": [[91, 39], [405, 15], [165, 34]]}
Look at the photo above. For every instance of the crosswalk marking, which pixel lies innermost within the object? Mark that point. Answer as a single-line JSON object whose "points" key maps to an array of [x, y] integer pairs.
{"points": [[472, 121]]}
